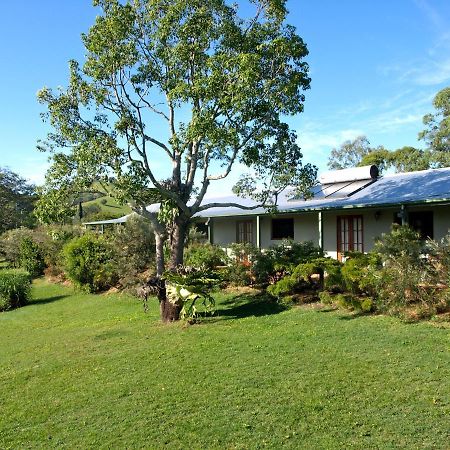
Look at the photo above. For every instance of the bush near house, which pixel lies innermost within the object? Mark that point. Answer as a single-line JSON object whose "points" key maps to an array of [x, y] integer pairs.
{"points": [[15, 289], [402, 276], [250, 265], [89, 262], [328, 276], [205, 256], [134, 250]]}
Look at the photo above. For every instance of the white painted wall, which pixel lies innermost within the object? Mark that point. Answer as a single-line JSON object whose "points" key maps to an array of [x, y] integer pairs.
{"points": [[373, 226], [306, 228]]}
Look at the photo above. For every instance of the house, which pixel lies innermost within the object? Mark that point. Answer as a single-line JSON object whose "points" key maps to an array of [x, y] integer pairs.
{"points": [[348, 209]]}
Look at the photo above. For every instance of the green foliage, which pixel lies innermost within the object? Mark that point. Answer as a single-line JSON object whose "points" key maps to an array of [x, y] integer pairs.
{"points": [[238, 274], [403, 242], [285, 286], [359, 272], [289, 254], [325, 297], [327, 270], [187, 287], [356, 153], [403, 275], [270, 266], [89, 262], [134, 245], [15, 289], [10, 244], [204, 256], [409, 159], [31, 257], [354, 303], [437, 133], [17, 198], [222, 85]]}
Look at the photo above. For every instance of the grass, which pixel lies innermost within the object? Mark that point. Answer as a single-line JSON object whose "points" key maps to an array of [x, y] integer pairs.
{"points": [[112, 207], [85, 371]]}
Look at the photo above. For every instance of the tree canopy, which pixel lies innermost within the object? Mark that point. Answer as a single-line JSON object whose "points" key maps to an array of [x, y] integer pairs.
{"points": [[437, 133], [359, 153], [17, 198], [352, 153], [189, 81]]}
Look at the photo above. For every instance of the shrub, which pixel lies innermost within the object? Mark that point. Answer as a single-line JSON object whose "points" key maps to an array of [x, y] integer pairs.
{"points": [[359, 272], [89, 262], [354, 302], [270, 266], [327, 269], [134, 245], [289, 254], [31, 257], [325, 297], [57, 238], [285, 286], [15, 289], [10, 243], [401, 242], [409, 277], [204, 255], [238, 274]]}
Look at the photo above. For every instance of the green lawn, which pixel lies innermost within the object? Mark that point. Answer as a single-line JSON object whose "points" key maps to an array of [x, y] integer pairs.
{"points": [[85, 371]]}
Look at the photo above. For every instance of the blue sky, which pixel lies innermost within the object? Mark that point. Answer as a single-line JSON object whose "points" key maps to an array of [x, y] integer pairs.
{"points": [[375, 67]]}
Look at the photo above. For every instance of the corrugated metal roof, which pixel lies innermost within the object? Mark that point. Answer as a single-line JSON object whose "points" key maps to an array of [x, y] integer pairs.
{"points": [[122, 219], [427, 186], [423, 187]]}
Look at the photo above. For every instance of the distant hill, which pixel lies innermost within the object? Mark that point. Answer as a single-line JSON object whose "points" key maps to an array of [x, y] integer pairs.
{"points": [[98, 205]]}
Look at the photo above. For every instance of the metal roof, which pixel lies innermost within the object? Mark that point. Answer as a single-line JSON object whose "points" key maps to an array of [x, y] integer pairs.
{"points": [[122, 219], [423, 187]]}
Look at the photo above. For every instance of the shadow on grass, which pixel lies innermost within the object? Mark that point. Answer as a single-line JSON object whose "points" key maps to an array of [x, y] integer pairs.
{"points": [[243, 305], [43, 301]]}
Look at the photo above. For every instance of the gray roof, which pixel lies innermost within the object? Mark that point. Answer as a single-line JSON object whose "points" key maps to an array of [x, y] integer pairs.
{"points": [[423, 187], [122, 219]]}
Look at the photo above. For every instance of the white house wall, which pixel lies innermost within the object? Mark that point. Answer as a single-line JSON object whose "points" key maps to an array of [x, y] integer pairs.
{"points": [[306, 228], [375, 222]]}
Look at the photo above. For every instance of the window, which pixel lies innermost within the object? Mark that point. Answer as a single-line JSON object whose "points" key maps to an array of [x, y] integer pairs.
{"points": [[420, 221], [283, 228], [244, 231], [349, 235]]}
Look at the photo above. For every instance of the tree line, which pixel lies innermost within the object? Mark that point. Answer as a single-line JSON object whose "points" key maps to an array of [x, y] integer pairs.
{"points": [[359, 152]]}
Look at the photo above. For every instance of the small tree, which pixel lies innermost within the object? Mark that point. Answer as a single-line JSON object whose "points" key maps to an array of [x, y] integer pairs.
{"points": [[17, 199], [186, 80], [437, 134]]}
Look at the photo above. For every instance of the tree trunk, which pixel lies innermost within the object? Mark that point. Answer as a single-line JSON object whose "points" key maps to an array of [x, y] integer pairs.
{"points": [[177, 243], [159, 242], [171, 311]]}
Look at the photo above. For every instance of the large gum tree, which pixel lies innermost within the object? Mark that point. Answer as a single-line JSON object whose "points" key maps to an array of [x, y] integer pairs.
{"points": [[197, 84]]}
